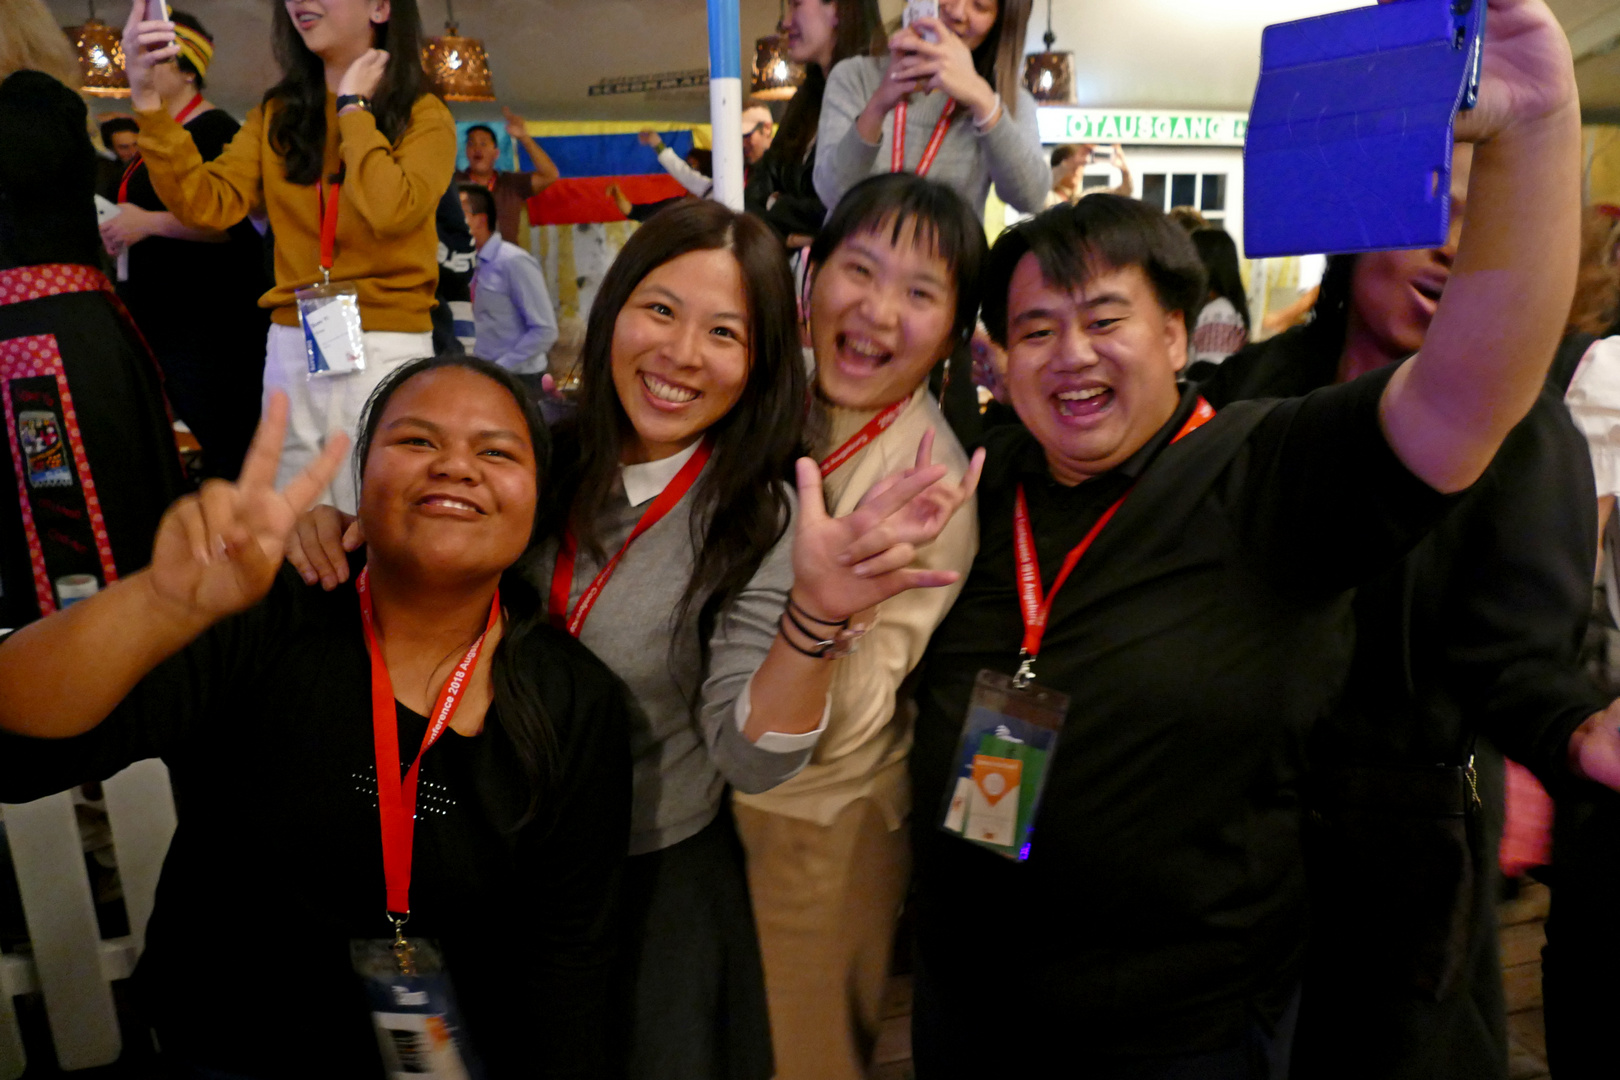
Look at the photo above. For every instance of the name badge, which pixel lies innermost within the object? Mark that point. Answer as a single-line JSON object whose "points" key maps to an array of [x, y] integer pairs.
{"points": [[330, 317], [1001, 763], [413, 1010]]}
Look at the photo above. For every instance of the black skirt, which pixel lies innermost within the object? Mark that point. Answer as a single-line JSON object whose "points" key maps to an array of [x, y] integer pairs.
{"points": [[692, 985]]}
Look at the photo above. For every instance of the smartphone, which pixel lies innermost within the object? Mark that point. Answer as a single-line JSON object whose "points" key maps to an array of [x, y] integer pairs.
{"points": [[920, 9], [157, 11], [1350, 135]]}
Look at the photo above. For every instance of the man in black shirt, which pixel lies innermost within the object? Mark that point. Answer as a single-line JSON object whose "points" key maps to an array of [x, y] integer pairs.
{"points": [[1159, 919], [1474, 632]]}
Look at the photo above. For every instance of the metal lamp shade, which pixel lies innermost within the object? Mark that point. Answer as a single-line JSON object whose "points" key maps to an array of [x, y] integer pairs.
{"points": [[101, 58], [1049, 77], [458, 67], [776, 76]]}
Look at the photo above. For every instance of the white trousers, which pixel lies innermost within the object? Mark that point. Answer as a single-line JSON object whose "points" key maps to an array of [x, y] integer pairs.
{"points": [[329, 403]]}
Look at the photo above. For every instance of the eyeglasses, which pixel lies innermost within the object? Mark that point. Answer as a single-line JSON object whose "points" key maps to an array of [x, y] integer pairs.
{"points": [[763, 125]]}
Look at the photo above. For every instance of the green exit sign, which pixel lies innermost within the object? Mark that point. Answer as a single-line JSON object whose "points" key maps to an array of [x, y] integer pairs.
{"points": [[1142, 127]]}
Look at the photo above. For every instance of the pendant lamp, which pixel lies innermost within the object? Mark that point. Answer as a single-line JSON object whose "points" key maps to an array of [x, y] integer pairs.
{"points": [[457, 67], [776, 76], [1049, 76], [100, 51]]}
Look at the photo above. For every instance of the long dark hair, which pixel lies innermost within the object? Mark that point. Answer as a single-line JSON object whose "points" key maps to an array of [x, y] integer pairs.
{"points": [[999, 59], [1219, 252], [519, 707], [860, 33], [1330, 315], [298, 121], [741, 508]]}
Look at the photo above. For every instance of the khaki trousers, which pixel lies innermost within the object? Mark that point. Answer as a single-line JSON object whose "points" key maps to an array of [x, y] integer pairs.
{"points": [[826, 899]]}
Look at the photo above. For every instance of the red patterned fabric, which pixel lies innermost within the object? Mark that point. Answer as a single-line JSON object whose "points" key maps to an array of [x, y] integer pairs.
{"points": [[37, 355], [51, 279]]}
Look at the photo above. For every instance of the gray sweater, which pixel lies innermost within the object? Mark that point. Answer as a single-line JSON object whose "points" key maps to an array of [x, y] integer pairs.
{"points": [[1008, 155], [681, 764]]}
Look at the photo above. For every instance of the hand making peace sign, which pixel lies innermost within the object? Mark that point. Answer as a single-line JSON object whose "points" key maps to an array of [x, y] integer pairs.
{"points": [[217, 552]]}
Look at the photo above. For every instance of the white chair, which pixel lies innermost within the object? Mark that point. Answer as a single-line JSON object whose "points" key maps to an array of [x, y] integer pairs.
{"points": [[69, 963]]}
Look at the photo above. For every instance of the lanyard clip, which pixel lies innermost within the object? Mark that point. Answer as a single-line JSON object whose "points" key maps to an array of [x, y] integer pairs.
{"points": [[1026, 670], [326, 276], [404, 951]]}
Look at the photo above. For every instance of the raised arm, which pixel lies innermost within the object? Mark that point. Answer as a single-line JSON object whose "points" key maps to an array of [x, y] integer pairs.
{"points": [[545, 171], [857, 98], [1487, 351], [395, 188], [216, 553]]}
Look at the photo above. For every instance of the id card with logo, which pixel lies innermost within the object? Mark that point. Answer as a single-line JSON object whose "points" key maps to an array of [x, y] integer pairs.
{"points": [[1001, 762], [414, 1014], [330, 318]]}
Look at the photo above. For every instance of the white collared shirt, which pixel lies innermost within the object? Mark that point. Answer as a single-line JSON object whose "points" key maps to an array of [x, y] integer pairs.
{"points": [[645, 482]]}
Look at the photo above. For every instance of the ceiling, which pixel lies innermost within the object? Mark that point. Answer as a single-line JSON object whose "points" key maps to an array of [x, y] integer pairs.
{"points": [[1128, 53]]}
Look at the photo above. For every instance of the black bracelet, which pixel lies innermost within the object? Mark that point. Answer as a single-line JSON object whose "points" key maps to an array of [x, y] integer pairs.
{"points": [[794, 605], [345, 100], [822, 647]]}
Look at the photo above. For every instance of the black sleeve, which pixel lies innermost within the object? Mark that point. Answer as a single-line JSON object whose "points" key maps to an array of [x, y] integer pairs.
{"points": [[574, 867], [1321, 501], [166, 707], [1520, 592], [797, 209], [212, 132]]}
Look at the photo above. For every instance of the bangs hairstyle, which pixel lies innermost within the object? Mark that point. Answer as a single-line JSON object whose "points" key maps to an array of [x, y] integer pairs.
{"points": [[1100, 233], [940, 220], [298, 121], [741, 507], [519, 710]]}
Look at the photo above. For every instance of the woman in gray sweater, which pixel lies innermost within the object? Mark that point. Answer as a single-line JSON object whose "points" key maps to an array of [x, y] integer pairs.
{"points": [[725, 596], [954, 78]]}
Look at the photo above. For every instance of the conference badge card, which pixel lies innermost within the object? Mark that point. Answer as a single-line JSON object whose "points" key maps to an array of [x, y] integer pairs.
{"points": [[330, 318], [1001, 764]]}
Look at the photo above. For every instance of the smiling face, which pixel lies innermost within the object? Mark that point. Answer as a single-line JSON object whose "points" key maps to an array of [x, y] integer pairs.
{"points": [[481, 151], [334, 29], [881, 316], [811, 29], [970, 20], [680, 352], [1394, 294], [449, 488], [1092, 372]]}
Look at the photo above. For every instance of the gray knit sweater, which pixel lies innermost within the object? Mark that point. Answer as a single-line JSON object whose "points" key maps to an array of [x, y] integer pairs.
{"points": [[681, 764], [1008, 155]]}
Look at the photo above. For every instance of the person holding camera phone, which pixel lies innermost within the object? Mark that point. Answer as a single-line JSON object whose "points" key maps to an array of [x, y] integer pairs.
{"points": [[946, 103], [349, 156]]}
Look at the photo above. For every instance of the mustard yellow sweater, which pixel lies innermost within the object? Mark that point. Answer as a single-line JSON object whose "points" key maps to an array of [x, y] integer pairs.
{"points": [[386, 241]]}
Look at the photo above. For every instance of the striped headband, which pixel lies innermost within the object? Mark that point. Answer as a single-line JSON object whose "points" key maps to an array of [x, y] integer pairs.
{"points": [[195, 48]]}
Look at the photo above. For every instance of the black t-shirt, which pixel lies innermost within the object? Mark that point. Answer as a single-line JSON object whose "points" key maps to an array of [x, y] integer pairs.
{"points": [[265, 723], [1204, 632]]}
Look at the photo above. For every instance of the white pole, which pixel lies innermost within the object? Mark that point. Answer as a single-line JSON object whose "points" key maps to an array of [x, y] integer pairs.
{"points": [[725, 101]]}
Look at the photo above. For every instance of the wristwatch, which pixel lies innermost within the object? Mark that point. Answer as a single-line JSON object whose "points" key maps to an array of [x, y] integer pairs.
{"points": [[345, 100]]}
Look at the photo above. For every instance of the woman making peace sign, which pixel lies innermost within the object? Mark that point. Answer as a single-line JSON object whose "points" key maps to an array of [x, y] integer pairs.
{"points": [[262, 695]]}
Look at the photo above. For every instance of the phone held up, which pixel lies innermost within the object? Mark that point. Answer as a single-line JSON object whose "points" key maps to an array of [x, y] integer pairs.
{"points": [[920, 9], [157, 11]]}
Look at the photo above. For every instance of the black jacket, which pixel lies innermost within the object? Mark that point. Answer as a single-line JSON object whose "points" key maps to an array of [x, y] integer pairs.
{"points": [[797, 209]]}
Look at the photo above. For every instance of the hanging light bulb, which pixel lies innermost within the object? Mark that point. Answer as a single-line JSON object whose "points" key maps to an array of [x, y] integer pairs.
{"points": [[776, 76], [457, 67], [100, 52], [1049, 76]]}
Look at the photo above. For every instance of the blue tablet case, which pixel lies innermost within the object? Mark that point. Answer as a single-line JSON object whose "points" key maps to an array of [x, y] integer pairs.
{"points": [[1349, 142]]}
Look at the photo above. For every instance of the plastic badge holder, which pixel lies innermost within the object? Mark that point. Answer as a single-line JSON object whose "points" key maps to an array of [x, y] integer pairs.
{"points": [[1349, 141]]}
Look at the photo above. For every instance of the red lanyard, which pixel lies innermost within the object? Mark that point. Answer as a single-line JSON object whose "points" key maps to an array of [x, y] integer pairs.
{"points": [[396, 797], [135, 162], [1036, 608], [562, 575], [856, 442], [328, 193], [897, 160]]}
